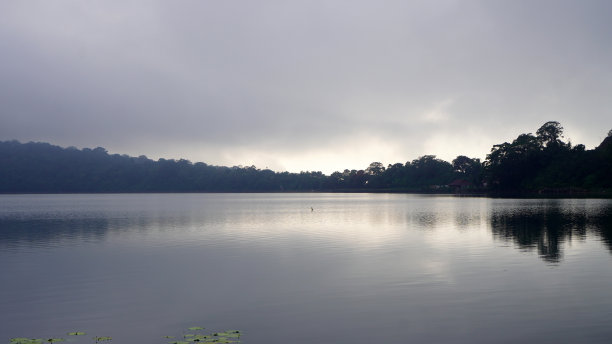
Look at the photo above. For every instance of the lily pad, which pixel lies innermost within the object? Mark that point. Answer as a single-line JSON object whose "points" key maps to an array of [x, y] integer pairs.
{"points": [[21, 340], [195, 328], [76, 333], [102, 339], [230, 333]]}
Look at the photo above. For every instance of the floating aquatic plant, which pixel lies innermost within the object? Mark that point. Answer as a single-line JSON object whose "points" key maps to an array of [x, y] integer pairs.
{"points": [[25, 341], [226, 337], [199, 338], [102, 339]]}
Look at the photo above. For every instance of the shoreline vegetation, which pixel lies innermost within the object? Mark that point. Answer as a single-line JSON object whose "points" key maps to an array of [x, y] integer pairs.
{"points": [[540, 165]]}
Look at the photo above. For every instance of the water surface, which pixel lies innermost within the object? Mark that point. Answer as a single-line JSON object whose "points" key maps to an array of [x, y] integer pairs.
{"points": [[359, 268]]}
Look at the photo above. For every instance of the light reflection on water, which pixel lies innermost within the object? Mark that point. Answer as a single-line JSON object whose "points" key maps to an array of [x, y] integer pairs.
{"points": [[358, 268]]}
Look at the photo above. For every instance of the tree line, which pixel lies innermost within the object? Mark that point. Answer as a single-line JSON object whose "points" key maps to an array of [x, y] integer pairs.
{"points": [[540, 163]]}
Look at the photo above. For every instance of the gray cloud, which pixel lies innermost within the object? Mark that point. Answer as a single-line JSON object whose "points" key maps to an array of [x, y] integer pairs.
{"points": [[319, 85]]}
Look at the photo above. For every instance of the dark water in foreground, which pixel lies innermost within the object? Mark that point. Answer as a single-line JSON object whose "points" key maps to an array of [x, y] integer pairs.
{"points": [[360, 268]]}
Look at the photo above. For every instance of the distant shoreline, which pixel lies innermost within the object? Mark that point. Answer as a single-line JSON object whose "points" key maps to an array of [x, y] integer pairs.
{"points": [[531, 166]]}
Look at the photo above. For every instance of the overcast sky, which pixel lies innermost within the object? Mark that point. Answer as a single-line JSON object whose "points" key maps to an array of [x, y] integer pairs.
{"points": [[303, 85]]}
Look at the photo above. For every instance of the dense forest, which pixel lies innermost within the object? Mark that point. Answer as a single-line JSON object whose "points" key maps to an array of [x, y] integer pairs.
{"points": [[531, 164]]}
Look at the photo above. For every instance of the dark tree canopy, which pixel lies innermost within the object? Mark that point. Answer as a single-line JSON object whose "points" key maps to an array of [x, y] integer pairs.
{"points": [[375, 168], [462, 164], [468, 169], [550, 133], [528, 164], [544, 162]]}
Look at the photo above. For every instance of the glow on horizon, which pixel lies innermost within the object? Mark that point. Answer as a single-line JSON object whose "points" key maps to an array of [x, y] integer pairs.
{"points": [[354, 154]]}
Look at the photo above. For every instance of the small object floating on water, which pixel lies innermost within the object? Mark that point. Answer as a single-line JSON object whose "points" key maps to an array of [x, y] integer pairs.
{"points": [[102, 339], [76, 333], [311, 209]]}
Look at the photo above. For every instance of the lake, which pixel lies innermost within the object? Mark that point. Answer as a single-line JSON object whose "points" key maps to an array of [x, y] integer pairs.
{"points": [[356, 268]]}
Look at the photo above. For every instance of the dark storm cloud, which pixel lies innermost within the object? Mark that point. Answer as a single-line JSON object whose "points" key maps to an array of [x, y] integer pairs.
{"points": [[299, 84]]}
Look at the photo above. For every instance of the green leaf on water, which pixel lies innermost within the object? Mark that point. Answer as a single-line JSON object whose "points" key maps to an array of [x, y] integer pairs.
{"points": [[168, 336], [195, 328], [200, 338], [21, 340], [76, 333], [230, 333], [102, 339], [53, 340], [179, 342]]}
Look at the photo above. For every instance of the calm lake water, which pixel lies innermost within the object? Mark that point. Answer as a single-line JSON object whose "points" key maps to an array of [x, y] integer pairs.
{"points": [[359, 268]]}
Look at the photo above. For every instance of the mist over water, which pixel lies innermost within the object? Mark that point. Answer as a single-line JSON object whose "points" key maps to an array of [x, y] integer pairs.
{"points": [[302, 268]]}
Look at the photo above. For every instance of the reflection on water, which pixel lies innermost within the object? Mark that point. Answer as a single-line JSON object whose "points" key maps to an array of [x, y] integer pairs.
{"points": [[37, 232], [360, 268], [547, 225], [540, 225]]}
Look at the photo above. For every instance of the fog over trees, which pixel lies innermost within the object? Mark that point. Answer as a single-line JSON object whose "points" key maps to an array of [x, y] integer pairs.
{"points": [[540, 163]]}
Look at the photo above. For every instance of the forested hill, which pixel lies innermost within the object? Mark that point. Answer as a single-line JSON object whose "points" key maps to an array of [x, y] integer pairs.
{"points": [[44, 168], [540, 163]]}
